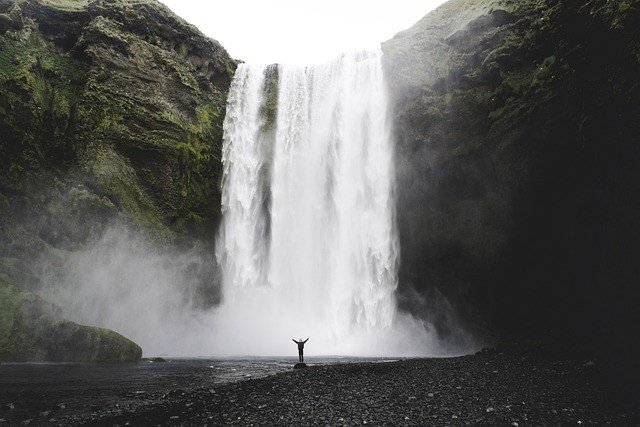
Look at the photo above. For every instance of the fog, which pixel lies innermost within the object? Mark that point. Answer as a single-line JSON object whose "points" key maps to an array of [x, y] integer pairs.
{"points": [[322, 262], [324, 267], [154, 296], [127, 283]]}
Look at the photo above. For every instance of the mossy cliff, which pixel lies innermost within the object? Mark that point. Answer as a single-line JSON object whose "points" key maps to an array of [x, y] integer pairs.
{"points": [[122, 98], [111, 112], [517, 127], [34, 330]]}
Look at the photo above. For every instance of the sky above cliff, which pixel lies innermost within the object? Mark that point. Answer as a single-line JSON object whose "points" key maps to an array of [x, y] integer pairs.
{"points": [[300, 31]]}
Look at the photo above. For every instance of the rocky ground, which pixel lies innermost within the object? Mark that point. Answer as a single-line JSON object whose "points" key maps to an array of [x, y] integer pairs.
{"points": [[512, 385]]}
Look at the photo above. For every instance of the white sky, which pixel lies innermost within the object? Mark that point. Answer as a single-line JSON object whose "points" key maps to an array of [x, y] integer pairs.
{"points": [[299, 31]]}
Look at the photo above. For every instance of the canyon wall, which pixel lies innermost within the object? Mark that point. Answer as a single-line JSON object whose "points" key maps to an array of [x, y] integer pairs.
{"points": [[517, 126], [111, 116]]}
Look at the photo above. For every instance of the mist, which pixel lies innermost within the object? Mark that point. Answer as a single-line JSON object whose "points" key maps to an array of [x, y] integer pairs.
{"points": [[153, 295], [128, 283], [308, 245]]}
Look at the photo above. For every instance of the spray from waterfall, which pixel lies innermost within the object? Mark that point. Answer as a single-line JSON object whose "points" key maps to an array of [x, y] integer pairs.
{"points": [[308, 243]]}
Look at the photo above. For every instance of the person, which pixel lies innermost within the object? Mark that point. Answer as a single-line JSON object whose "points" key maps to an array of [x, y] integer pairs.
{"points": [[300, 348]]}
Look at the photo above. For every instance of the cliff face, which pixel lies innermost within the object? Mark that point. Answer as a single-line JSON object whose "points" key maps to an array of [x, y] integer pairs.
{"points": [[519, 187], [111, 113], [120, 98]]}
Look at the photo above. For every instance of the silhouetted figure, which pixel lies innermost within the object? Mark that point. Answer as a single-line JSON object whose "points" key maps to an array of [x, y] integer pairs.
{"points": [[300, 349]]}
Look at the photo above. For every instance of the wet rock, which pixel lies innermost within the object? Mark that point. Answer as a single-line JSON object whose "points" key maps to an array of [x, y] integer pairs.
{"points": [[37, 332], [115, 117], [381, 394], [485, 155]]}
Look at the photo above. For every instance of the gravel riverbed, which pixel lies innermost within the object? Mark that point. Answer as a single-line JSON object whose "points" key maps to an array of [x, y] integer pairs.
{"points": [[510, 385]]}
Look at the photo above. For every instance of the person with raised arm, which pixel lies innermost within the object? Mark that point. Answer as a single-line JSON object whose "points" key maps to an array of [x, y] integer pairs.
{"points": [[301, 348]]}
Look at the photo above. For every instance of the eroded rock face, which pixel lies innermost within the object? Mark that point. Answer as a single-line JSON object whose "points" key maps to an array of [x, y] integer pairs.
{"points": [[32, 330], [517, 129], [121, 99], [111, 115]]}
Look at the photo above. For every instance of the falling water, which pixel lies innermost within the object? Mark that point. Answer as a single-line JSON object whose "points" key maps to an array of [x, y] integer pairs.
{"points": [[308, 244]]}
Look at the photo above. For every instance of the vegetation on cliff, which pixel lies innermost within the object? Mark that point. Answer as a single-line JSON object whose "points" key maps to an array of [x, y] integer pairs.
{"points": [[120, 99], [519, 186], [111, 113]]}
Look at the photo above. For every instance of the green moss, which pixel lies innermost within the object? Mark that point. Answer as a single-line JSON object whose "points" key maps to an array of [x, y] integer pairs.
{"points": [[112, 115], [33, 330], [126, 3], [209, 119], [106, 346], [186, 76], [269, 108], [544, 71], [119, 183], [27, 55], [39, 88], [66, 5], [111, 31], [619, 14]]}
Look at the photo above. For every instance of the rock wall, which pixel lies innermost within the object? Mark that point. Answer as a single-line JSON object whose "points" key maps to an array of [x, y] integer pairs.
{"points": [[111, 115], [113, 106], [519, 188]]}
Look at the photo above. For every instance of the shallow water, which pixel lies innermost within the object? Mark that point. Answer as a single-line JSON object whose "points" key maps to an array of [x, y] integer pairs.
{"points": [[44, 391]]}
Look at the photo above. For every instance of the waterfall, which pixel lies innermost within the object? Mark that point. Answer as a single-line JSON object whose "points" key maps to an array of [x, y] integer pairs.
{"points": [[308, 243], [243, 239]]}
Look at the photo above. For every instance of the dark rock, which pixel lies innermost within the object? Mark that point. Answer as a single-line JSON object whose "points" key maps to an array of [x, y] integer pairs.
{"points": [[394, 393], [32, 330], [110, 113], [6, 23], [158, 360], [517, 163], [300, 365]]}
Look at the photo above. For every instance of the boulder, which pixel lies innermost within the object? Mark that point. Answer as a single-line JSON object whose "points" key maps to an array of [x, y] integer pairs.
{"points": [[33, 330]]}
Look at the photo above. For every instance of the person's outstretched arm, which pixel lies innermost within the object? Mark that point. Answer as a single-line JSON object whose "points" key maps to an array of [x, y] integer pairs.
{"points": [[305, 340], [294, 341]]}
